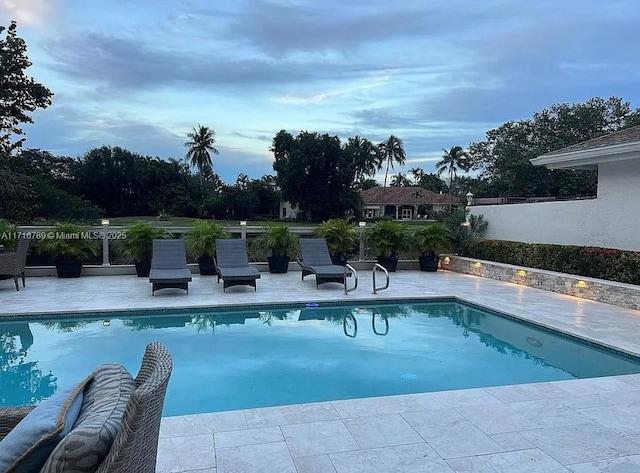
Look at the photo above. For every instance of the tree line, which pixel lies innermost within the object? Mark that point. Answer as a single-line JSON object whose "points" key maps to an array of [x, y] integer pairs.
{"points": [[318, 172]]}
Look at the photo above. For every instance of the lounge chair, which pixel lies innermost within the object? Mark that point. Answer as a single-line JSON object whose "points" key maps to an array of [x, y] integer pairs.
{"points": [[169, 266], [232, 264], [316, 260], [118, 424], [12, 263]]}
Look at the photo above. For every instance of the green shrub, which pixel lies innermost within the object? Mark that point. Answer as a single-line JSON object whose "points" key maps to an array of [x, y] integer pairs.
{"points": [[602, 263]]}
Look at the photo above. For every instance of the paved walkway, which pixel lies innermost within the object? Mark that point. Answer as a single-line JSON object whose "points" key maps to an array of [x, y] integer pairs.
{"points": [[581, 426]]}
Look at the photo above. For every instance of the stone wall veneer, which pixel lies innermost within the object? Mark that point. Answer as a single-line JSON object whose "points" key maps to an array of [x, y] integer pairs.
{"points": [[600, 290]]}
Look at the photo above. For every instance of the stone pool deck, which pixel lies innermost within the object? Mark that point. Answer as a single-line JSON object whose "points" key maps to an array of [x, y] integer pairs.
{"points": [[579, 426]]}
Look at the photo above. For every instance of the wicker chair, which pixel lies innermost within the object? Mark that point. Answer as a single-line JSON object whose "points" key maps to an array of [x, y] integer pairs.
{"points": [[12, 264], [135, 447]]}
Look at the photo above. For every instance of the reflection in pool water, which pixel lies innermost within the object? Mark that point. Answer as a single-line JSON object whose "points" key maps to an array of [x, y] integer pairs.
{"points": [[266, 356]]}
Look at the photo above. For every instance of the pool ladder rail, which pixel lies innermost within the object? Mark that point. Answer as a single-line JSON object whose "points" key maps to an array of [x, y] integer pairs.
{"points": [[347, 270], [379, 267]]}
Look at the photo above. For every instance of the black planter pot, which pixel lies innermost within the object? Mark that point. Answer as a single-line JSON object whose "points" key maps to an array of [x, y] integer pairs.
{"points": [[68, 268], [429, 262], [278, 264], [143, 268], [390, 263], [340, 259], [207, 268]]}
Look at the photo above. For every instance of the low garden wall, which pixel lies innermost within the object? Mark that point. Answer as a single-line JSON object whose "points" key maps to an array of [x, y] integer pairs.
{"points": [[600, 290]]}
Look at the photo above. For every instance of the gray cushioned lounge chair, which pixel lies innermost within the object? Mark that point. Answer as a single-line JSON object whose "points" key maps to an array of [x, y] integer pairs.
{"points": [[12, 263], [316, 260], [135, 446], [232, 264], [169, 266]]}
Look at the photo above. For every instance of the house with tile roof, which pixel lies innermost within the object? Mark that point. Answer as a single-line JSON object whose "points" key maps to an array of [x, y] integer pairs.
{"points": [[404, 203], [611, 220]]}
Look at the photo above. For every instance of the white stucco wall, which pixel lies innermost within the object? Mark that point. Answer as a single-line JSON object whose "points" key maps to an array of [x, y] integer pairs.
{"points": [[611, 221]]}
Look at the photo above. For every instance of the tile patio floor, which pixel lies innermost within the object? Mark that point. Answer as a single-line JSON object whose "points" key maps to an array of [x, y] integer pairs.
{"points": [[578, 426]]}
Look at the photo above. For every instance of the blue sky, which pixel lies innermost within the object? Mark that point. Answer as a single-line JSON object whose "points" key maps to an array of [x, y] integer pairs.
{"points": [[141, 74]]}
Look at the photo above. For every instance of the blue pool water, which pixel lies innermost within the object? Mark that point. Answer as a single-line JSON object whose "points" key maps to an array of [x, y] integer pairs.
{"points": [[265, 356]]}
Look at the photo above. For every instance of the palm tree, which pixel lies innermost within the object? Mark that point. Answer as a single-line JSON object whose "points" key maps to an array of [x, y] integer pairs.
{"points": [[392, 152], [201, 141], [417, 174], [400, 180], [452, 160], [364, 154]]}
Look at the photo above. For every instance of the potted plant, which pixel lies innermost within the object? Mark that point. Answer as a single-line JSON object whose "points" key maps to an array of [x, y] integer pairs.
{"points": [[201, 243], [138, 245], [341, 238], [387, 238], [281, 243], [429, 241], [70, 245]]}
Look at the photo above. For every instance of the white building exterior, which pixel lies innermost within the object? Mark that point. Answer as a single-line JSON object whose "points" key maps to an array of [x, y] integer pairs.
{"points": [[612, 220]]}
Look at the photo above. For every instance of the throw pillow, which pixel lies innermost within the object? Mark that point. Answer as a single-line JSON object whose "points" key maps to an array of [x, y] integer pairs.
{"points": [[26, 448]]}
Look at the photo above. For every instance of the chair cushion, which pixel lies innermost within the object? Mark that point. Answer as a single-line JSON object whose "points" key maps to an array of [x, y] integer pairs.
{"points": [[26, 448], [88, 443]]}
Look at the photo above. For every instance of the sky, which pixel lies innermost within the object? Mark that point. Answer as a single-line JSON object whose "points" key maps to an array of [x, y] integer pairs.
{"points": [[436, 73]]}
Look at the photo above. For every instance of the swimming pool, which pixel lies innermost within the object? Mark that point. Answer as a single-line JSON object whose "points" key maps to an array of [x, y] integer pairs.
{"points": [[274, 355]]}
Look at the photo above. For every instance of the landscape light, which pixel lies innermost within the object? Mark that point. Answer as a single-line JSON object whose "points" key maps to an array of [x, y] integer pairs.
{"points": [[581, 284], [522, 272], [243, 223], [446, 260], [477, 264], [362, 224], [105, 221]]}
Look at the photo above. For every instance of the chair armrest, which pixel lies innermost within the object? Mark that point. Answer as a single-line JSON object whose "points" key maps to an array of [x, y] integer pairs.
{"points": [[10, 417]]}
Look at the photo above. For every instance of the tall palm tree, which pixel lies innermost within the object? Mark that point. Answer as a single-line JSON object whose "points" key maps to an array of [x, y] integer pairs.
{"points": [[364, 154], [392, 152], [452, 160], [200, 144]]}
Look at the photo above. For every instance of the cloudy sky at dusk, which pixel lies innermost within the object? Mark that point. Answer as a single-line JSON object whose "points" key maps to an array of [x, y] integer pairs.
{"points": [[140, 74]]}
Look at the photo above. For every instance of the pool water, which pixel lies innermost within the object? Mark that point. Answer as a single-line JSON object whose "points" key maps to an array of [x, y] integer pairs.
{"points": [[258, 357]]}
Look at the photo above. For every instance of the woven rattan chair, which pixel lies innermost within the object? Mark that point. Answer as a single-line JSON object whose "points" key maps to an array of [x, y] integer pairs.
{"points": [[135, 447], [12, 264]]}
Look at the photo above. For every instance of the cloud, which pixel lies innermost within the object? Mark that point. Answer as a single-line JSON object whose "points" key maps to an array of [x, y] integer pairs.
{"points": [[322, 96], [29, 12], [123, 63]]}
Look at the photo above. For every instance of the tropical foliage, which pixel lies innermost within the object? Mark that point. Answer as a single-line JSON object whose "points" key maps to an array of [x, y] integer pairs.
{"points": [[69, 241], [199, 148], [138, 244], [391, 152], [387, 237], [453, 160], [603, 263], [341, 235], [201, 239], [433, 238], [277, 240]]}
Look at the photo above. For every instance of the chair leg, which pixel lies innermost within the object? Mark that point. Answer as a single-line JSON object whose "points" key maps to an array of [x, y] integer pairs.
{"points": [[23, 283], [15, 280]]}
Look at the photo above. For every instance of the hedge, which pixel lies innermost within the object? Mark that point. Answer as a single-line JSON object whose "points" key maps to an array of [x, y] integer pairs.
{"points": [[602, 263]]}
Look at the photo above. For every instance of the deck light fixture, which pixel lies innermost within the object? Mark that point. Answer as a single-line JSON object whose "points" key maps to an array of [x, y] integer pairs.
{"points": [[477, 264], [446, 260], [581, 284], [105, 221], [522, 273]]}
